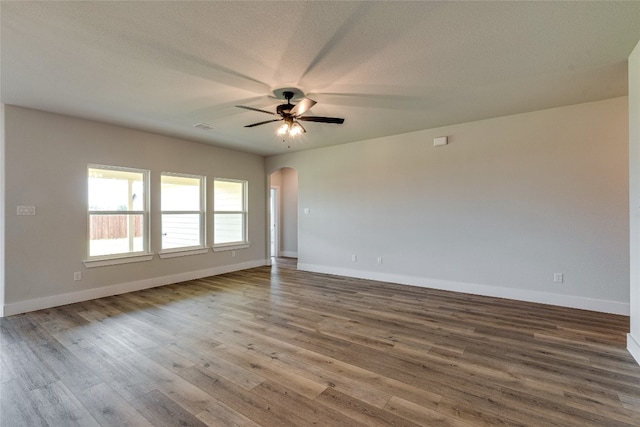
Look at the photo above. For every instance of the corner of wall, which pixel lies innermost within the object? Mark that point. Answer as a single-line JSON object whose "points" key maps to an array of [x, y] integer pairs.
{"points": [[634, 347], [2, 208], [633, 339], [121, 288], [538, 297]]}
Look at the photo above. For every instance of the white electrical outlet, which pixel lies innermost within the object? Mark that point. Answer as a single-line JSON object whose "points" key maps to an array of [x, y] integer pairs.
{"points": [[77, 275], [354, 258], [233, 254], [558, 277], [379, 260]]}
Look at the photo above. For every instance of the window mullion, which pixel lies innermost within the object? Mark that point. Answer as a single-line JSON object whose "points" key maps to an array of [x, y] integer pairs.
{"points": [[182, 212]]}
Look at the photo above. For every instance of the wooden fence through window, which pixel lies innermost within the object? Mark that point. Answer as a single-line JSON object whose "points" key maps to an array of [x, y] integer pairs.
{"points": [[113, 226]]}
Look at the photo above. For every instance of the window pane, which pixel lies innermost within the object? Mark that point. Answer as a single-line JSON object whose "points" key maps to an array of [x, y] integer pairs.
{"points": [[115, 234], [180, 230], [180, 193], [228, 196], [228, 228], [229, 220], [114, 190]]}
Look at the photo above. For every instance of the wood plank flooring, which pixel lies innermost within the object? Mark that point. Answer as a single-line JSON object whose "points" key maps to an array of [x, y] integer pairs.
{"points": [[280, 347]]}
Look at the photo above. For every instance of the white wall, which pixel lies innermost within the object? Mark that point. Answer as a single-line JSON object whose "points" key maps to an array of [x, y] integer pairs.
{"points": [[46, 166], [506, 204], [634, 199]]}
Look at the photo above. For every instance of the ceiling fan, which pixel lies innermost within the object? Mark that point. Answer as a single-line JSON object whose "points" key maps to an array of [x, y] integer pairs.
{"points": [[291, 115]]}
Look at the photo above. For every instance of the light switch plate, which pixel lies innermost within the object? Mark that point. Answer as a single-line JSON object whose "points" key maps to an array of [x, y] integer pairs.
{"points": [[26, 210], [440, 141]]}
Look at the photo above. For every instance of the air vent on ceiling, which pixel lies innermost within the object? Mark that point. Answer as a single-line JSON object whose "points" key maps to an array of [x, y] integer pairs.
{"points": [[203, 126]]}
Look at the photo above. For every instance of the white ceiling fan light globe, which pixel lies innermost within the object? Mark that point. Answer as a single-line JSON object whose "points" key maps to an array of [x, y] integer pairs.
{"points": [[283, 129], [296, 130]]}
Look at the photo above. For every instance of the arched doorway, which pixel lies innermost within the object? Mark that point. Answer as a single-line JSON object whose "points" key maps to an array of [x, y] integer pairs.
{"points": [[283, 213]]}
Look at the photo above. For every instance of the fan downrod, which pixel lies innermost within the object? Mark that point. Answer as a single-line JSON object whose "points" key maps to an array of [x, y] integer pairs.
{"points": [[284, 109], [288, 95]]}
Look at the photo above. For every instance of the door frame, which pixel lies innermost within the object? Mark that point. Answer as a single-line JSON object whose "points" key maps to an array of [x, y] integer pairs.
{"points": [[274, 221]]}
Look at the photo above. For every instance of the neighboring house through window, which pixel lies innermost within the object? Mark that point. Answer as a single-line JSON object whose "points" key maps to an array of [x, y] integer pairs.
{"points": [[183, 215], [230, 213]]}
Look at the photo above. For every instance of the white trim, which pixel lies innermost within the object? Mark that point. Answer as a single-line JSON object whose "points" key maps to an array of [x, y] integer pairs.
{"points": [[145, 212], [289, 254], [91, 263], [570, 301], [182, 252], [274, 220], [230, 247], [106, 291], [201, 213], [633, 346], [244, 212]]}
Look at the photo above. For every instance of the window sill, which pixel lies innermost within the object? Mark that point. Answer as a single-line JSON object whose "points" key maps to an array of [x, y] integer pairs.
{"points": [[230, 247], [182, 252], [102, 262]]}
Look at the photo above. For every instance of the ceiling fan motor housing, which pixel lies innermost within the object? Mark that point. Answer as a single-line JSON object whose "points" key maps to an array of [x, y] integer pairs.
{"points": [[284, 109]]}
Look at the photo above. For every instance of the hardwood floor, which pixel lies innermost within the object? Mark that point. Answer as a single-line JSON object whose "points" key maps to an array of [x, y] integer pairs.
{"points": [[280, 347]]}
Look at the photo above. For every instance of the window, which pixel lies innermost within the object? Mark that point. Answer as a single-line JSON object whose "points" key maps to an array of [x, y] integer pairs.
{"points": [[118, 212], [230, 213], [182, 200]]}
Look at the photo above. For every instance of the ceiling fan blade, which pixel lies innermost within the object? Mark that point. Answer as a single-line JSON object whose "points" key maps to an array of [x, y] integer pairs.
{"points": [[301, 127], [318, 119], [262, 123], [255, 109], [302, 106]]}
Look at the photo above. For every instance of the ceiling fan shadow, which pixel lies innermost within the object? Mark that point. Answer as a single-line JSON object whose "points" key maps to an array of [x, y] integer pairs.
{"points": [[380, 101]]}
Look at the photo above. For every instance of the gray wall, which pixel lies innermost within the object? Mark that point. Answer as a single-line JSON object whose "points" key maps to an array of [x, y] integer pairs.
{"points": [[46, 166], [289, 213], [634, 200], [509, 202], [2, 208], [286, 180]]}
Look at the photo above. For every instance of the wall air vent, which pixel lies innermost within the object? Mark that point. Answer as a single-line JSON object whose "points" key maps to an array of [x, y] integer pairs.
{"points": [[203, 126]]}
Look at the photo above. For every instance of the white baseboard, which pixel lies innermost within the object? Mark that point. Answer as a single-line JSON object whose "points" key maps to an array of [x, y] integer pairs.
{"points": [[106, 291], [492, 291], [633, 345], [289, 254], [570, 301]]}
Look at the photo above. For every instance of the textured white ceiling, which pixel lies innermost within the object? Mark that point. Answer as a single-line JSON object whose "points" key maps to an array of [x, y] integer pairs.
{"points": [[386, 67]]}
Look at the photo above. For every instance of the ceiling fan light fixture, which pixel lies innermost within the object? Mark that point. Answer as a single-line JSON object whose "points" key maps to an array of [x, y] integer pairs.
{"points": [[296, 129], [283, 129], [290, 114]]}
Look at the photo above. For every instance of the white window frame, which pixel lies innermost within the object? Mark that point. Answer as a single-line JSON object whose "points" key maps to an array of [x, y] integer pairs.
{"points": [[186, 250], [125, 257], [244, 243]]}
